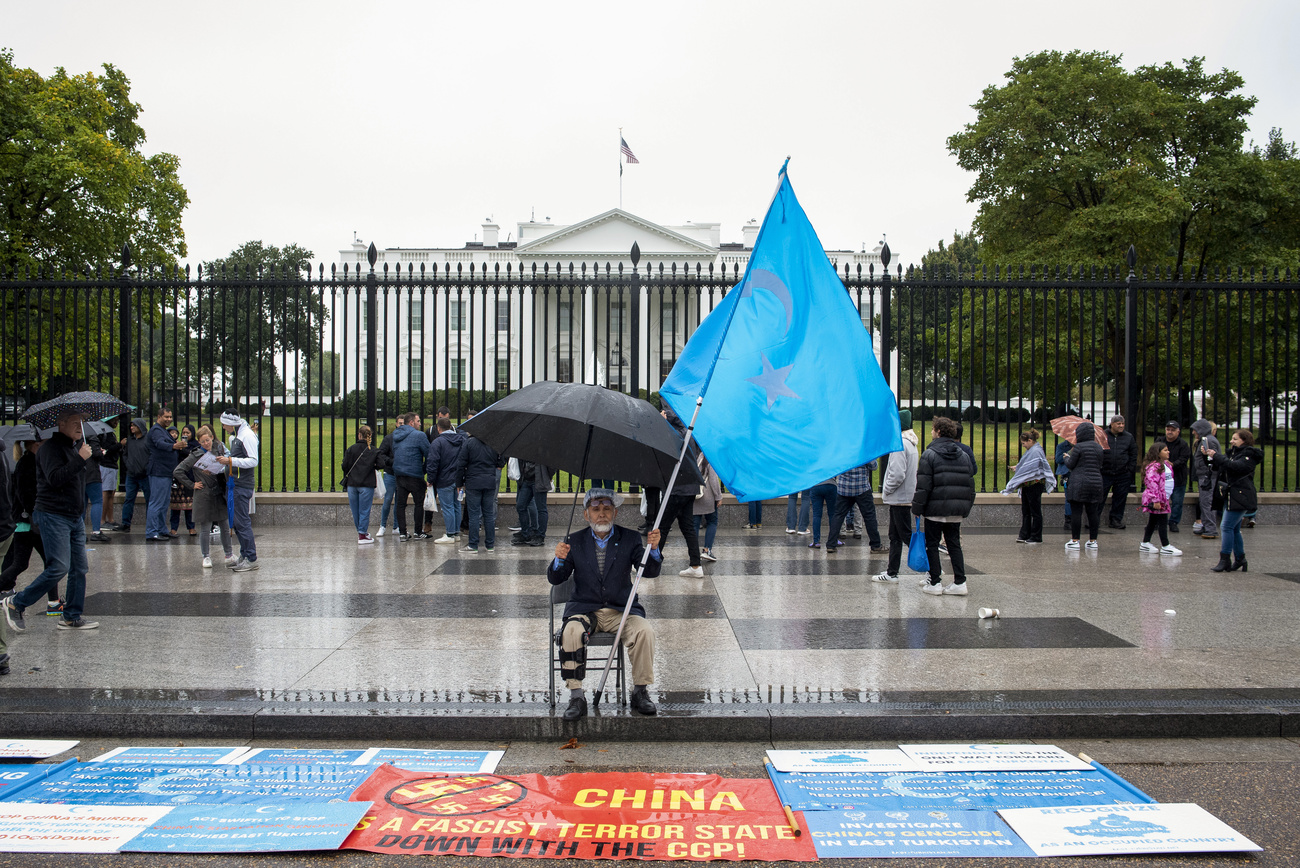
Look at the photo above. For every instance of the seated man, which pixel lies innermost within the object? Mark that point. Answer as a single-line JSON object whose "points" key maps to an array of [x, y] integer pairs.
{"points": [[601, 561]]}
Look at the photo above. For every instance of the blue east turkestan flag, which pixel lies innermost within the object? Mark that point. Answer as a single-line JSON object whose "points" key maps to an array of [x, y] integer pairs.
{"points": [[792, 390]]}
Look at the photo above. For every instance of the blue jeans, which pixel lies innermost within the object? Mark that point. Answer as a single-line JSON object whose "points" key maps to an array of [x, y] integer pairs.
{"points": [[134, 484], [160, 504], [390, 491], [360, 499], [795, 518], [95, 497], [711, 528], [756, 512], [822, 496], [243, 523], [450, 508], [1176, 503], [532, 522], [64, 539], [482, 505], [1230, 541]]}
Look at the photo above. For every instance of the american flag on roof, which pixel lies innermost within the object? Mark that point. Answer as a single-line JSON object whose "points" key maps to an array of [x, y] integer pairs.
{"points": [[627, 152]]}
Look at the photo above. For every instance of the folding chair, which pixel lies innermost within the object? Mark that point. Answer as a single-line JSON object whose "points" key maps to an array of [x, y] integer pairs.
{"points": [[560, 595]]}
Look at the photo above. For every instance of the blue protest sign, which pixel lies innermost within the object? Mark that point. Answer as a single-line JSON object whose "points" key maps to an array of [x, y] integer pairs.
{"points": [[262, 828], [880, 791], [894, 834], [449, 761], [111, 784], [17, 777], [171, 755], [313, 756]]}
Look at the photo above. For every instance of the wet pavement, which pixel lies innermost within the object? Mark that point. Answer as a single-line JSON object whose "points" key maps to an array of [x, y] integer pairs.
{"points": [[776, 642]]}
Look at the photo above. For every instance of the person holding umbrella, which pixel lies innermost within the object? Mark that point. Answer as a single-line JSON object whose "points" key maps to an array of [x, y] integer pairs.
{"points": [[60, 514], [601, 559]]}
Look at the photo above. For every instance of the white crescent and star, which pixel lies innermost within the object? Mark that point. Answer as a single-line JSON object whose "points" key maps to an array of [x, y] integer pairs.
{"points": [[772, 380]]}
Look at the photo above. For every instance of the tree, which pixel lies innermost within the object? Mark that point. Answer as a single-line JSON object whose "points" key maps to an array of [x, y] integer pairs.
{"points": [[320, 375], [254, 308], [74, 182], [1076, 159]]}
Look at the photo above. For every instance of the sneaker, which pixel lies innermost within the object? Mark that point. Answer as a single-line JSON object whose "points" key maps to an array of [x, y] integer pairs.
{"points": [[366, 540], [1197, 527], [207, 563], [444, 540], [216, 531], [171, 534], [14, 617], [488, 549], [742, 527], [1022, 541], [1170, 550], [803, 532], [55, 608], [1209, 536], [707, 554], [380, 532], [536, 541], [231, 560], [1092, 544], [758, 526], [470, 550], [246, 565], [421, 535], [879, 550], [1149, 548], [76, 624], [943, 549], [98, 536], [789, 530], [955, 590], [692, 573], [1173, 528], [1073, 545], [814, 545], [1033, 542], [932, 590], [886, 578], [925, 580], [402, 537], [516, 528]]}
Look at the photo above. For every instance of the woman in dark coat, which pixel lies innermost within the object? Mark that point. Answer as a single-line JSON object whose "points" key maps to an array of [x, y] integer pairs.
{"points": [[27, 538], [1236, 496], [945, 493], [208, 494], [1086, 491], [359, 479]]}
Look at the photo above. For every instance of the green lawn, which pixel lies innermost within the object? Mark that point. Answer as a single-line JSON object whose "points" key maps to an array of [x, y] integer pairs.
{"points": [[305, 455]]}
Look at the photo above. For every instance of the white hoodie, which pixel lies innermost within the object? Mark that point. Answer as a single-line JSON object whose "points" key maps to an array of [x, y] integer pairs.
{"points": [[900, 476]]}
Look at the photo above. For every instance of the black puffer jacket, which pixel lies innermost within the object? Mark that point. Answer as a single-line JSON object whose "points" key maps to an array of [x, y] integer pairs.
{"points": [[1085, 461], [1236, 471], [1122, 459], [945, 481]]}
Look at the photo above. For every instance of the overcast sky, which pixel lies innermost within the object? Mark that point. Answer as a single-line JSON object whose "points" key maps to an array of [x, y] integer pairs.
{"points": [[409, 123]]}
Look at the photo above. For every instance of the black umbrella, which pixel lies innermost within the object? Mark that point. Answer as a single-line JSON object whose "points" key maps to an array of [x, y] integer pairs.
{"points": [[24, 431], [585, 430], [93, 405]]}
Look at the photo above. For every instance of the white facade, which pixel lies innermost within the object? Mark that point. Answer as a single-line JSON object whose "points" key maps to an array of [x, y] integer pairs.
{"points": [[508, 333]]}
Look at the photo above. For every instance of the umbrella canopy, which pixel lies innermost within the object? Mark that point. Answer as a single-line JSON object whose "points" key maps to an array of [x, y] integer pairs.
{"points": [[96, 427], [586, 430], [92, 405], [1065, 426], [24, 431]]}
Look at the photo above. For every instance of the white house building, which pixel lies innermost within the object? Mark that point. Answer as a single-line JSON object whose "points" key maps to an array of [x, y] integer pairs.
{"points": [[501, 314]]}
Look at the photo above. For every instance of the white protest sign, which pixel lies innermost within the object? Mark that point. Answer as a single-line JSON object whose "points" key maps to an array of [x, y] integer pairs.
{"points": [[73, 828], [1085, 830], [843, 760], [172, 755], [992, 758], [33, 748]]}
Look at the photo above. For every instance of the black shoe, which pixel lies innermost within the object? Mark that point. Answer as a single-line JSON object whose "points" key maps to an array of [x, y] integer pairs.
{"points": [[640, 702], [879, 550], [1238, 565], [536, 541], [1173, 528], [99, 536], [1115, 525], [1225, 563], [4, 664], [518, 538], [577, 708], [14, 616], [857, 535]]}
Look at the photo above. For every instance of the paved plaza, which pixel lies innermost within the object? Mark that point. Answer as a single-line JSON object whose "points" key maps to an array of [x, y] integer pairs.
{"points": [[333, 640]]}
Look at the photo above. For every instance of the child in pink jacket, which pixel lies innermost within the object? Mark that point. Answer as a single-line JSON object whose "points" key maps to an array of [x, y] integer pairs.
{"points": [[1157, 486]]}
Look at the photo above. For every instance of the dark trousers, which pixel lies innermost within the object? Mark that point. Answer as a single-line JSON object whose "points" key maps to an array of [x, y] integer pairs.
{"points": [[951, 533], [843, 503], [900, 532], [1117, 488], [1078, 508], [19, 557], [1157, 521], [681, 507], [1031, 512], [653, 497], [134, 484], [412, 485]]}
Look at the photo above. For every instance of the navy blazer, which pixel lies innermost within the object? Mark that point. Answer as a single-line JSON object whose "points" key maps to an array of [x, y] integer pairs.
{"points": [[592, 591]]}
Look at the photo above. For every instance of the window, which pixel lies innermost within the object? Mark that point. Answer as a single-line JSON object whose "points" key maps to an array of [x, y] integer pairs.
{"points": [[415, 378], [503, 373], [564, 371], [457, 373], [415, 315], [456, 312], [617, 312], [503, 314], [564, 317], [365, 374], [364, 316], [666, 367]]}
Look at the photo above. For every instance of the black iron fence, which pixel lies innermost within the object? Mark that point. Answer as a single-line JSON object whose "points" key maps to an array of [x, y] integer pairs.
{"points": [[312, 355]]}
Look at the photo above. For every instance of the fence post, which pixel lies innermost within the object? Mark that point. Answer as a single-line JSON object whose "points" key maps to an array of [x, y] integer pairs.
{"points": [[886, 327], [124, 283], [634, 322], [372, 297], [1132, 385]]}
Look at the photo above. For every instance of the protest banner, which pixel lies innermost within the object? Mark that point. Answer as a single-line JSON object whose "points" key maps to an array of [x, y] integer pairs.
{"points": [[260, 828], [881, 791], [841, 761], [992, 758], [296, 756], [171, 755], [112, 784], [907, 834], [586, 816], [37, 828], [34, 748], [1080, 830], [445, 761]]}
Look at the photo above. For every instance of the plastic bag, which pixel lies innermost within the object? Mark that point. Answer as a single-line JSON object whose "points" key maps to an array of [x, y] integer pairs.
{"points": [[512, 469], [380, 488], [430, 499], [916, 557]]}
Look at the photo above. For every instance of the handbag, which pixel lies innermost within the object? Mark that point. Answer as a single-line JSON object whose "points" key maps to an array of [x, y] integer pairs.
{"points": [[916, 556]]}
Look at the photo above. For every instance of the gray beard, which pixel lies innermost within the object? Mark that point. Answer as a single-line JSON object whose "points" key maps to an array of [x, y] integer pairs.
{"points": [[602, 529]]}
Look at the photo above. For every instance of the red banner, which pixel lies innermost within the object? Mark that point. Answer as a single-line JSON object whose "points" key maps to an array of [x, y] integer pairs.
{"points": [[584, 816]]}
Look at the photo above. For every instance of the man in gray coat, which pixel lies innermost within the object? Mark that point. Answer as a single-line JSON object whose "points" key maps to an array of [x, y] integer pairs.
{"points": [[897, 490]]}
